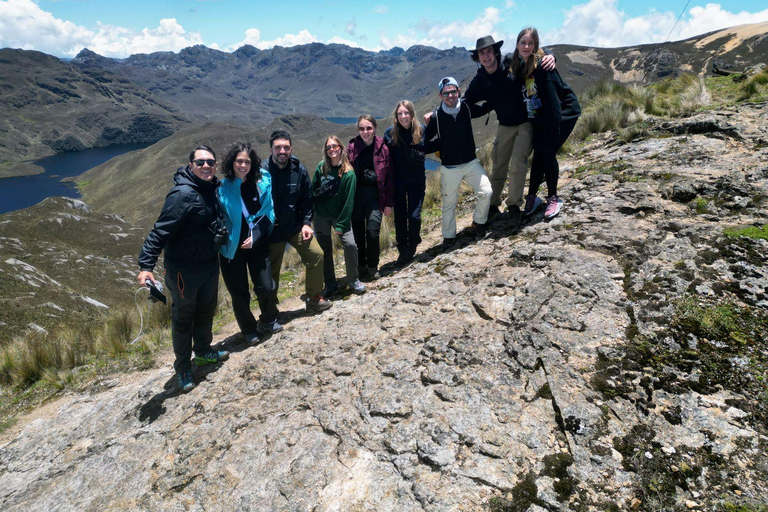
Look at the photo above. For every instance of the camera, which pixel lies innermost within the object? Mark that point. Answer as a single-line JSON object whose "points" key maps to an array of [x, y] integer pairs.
{"points": [[220, 234]]}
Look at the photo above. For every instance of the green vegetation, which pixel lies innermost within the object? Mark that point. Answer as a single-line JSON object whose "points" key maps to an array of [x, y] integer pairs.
{"points": [[625, 109], [701, 205], [753, 232]]}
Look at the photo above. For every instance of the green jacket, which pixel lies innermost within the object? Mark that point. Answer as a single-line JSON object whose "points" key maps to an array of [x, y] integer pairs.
{"points": [[339, 206]]}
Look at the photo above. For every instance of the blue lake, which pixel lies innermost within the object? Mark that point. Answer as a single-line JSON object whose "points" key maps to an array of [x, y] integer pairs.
{"points": [[25, 191], [342, 120]]}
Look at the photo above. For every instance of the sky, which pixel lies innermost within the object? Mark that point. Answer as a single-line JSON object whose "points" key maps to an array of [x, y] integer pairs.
{"points": [[120, 28]]}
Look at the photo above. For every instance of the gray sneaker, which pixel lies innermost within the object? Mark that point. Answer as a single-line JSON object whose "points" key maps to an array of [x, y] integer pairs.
{"points": [[357, 287]]}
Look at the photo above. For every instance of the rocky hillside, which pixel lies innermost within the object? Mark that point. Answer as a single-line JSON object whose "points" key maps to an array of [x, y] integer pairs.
{"points": [[50, 106], [62, 263], [612, 359]]}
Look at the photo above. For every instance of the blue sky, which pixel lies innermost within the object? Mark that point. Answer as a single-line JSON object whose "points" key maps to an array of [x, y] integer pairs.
{"points": [[121, 28]]}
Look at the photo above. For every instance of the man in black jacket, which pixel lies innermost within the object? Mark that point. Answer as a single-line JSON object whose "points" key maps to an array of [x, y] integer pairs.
{"points": [[452, 125], [292, 195], [495, 86], [190, 231]]}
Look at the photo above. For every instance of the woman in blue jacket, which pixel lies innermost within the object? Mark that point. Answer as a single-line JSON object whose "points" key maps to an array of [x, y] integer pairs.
{"points": [[245, 195]]}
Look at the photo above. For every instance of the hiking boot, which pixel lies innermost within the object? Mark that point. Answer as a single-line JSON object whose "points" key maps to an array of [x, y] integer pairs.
{"points": [[252, 338], [404, 259], [363, 273], [554, 205], [448, 243], [186, 383], [493, 212], [212, 357], [272, 327], [318, 303], [479, 229], [532, 203], [373, 273], [514, 215], [357, 287]]}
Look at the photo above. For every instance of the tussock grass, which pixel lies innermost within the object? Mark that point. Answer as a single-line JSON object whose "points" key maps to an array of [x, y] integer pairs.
{"points": [[625, 109], [51, 357]]}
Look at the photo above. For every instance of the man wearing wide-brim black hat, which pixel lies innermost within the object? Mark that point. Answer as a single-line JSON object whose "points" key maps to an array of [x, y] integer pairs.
{"points": [[495, 86]]}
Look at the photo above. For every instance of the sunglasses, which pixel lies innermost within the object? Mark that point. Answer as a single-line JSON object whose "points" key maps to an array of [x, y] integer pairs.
{"points": [[202, 161], [366, 128], [448, 94], [331, 147]]}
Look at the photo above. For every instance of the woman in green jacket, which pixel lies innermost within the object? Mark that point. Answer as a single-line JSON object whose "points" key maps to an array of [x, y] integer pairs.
{"points": [[333, 189]]}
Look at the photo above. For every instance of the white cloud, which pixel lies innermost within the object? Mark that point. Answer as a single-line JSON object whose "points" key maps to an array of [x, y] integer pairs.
{"points": [[351, 27], [340, 40], [114, 41], [253, 37], [509, 4], [446, 35], [600, 23], [713, 17], [24, 25], [381, 9]]}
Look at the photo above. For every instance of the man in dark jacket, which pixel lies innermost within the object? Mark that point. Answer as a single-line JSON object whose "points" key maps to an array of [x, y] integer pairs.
{"points": [[496, 86], [452, 125], [188, 230], [292, 196]]}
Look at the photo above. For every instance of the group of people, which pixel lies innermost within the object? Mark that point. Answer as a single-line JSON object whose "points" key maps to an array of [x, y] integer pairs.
{"points": [[242, 223]]}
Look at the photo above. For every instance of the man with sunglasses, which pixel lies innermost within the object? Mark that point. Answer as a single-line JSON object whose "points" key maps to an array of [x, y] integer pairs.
{"points": [[451, 123], [189, 231]]}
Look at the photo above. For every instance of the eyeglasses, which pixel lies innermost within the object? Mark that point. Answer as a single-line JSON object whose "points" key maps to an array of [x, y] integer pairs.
{"points": [[243, 162], [331, 147], [448, 94], [365, 128], [203, 161], [285, 147]]}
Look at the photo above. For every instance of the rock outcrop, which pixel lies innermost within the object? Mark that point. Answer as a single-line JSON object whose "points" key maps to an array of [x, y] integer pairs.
{"points": [[541, 368]]}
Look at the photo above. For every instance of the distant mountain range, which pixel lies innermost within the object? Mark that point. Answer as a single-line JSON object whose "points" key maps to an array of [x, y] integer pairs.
{"points": [[53, 106], [50, 106]]}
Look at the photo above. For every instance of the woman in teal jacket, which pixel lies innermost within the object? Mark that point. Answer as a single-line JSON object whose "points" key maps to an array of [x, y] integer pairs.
{"points": [[245, 195], [333, 190]]}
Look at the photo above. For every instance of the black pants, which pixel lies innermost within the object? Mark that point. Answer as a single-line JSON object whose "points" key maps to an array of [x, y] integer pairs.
{"points": [[235, 273], [544, 165], [194, 292], [409, 198], [366, 224]]}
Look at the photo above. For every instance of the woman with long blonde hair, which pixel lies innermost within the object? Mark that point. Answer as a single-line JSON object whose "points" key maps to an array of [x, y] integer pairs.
{"points": [[405, 139], [553, 110], [333, 189]]}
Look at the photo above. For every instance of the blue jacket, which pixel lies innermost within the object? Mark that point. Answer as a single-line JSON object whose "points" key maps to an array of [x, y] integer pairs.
{"points": [[230, 199]]}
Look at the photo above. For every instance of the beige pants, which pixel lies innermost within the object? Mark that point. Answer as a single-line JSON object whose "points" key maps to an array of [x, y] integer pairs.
{"points": [[450, 181], [511, 149]]}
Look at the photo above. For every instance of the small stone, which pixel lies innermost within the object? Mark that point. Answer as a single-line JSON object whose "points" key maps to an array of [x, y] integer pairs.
{"points": [[691, 504], [648, 455], [669, 450], [695, 494], [674, 468], [635, 504], [738, 492]]}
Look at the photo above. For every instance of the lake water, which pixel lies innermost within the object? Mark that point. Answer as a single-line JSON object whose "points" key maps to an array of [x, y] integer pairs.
{"points": [[25, 191], [342, 120]]}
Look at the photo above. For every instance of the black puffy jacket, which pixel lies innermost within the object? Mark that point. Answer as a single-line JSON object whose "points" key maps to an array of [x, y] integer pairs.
{"points": [[185, 226], [292, 195]]}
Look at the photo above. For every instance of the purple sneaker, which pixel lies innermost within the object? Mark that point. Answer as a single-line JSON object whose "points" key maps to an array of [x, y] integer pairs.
{"points": [[554, 205], [532, 203]]}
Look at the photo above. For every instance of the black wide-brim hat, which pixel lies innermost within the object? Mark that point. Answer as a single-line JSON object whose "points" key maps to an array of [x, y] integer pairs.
{"points": [[485, 42]]}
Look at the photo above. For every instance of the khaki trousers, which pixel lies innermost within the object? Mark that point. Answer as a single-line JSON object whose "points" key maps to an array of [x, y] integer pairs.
{"points": [[311, 256], [511, 149]]}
